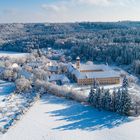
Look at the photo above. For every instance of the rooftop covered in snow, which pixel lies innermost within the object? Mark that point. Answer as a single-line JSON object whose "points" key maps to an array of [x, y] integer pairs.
{"points": [[92, 67]]}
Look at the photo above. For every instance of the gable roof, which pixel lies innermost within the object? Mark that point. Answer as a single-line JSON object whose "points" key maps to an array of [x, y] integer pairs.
{"points": [[103, 74], [92, 67], [57, 77]]}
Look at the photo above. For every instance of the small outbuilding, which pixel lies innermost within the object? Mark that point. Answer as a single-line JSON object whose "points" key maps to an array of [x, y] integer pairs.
{"points": [[60, 79]]}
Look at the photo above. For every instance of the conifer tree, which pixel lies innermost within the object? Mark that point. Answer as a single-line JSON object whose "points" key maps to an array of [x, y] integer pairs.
{"points": [[95, 84], [126, 102], [107, 100], [125, 83], [118, 105], [103, 98], [113, 99], [98, 98], [91, 95]]}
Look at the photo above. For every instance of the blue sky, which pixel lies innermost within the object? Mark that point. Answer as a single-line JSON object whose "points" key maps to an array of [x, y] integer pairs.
{"points": [[68, 10]]}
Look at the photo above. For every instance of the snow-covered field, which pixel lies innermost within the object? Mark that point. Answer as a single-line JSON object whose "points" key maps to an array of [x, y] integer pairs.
{"points": [[54, 118], [12, 54], [12, 106], [5, 89]]}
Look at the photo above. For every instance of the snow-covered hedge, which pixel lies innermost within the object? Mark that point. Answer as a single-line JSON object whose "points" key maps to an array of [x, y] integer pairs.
{"points": [[65, 92]]}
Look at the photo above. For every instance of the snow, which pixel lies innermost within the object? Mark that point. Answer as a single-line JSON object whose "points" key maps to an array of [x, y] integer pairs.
{"points": [[100, 71], [59, 77], [12, 54], [54, 118], [6, 88], [25, 74], [12, 106], [94, 67]]}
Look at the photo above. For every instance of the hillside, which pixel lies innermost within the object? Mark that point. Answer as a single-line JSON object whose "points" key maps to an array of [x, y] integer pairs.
{"points": [[20, 37], [117, 42]]}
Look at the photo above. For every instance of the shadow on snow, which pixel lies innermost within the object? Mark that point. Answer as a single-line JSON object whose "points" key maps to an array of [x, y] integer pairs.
{"points": [[84, 117]]}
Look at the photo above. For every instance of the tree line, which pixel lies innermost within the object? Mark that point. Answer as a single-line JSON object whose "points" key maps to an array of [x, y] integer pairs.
{"points": [[116, 101], [116, 42]]}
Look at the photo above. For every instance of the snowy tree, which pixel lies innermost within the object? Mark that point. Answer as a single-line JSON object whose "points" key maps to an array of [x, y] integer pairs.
{"points": [[136, 66], [95, 84], [23, 84], [103, 100], [21, 61], [7, 64], [136, 104], [113, 99], [125, 83], [39, 84], [126, 102], [107, 100], [91, 96], [8, 74], [117, 101], [94, 95], [123, 102], [97, 98]]}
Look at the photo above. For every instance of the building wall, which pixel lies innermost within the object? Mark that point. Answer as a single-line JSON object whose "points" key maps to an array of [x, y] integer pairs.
{"points": [[99, 70], [89, 81], [102, 81]]}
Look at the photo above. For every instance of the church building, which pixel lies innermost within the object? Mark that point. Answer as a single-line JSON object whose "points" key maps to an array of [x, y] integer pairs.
{"points": [[85, 74]]}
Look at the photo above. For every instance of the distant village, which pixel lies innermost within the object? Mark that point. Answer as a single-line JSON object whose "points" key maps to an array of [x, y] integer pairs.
{"points": [[67, 72], [53, 66]]}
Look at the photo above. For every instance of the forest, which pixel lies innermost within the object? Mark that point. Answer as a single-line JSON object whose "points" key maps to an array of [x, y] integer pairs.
{"points": [[109, 42]]}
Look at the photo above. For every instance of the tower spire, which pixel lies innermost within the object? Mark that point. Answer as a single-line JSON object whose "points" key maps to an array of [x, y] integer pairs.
{"points": [[78, 62]]}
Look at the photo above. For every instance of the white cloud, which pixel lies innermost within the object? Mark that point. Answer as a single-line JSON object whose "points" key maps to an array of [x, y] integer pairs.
{"points": [[95, 2], [88, 10], [75, 10], [67, 5], [58, 7], [106, 2]]}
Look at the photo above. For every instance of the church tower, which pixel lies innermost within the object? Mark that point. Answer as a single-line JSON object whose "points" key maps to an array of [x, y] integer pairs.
{"points": [[78, 62]]}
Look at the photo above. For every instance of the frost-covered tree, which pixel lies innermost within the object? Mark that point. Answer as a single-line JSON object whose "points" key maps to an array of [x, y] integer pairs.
{"points": [[8, 74], [98, 98], [40, 74], [136, 104], [113, 101], [103, 101], [107, 100], [125, 102], [94, 95], [95, 84], [136, 66], [22, 84], [117, 101], [91, 95], [125, 83]]}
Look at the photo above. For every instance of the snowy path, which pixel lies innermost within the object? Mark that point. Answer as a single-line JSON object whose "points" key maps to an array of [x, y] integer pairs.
{"points": [[54, 118]]}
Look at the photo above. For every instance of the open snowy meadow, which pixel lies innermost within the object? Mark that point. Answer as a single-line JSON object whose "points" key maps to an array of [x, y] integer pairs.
{"points": [[54, 118], [12, 54], [12, 106]]}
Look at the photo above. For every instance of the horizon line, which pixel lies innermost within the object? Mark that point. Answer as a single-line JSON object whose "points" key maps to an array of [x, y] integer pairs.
{"points": [[113, 21]]}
